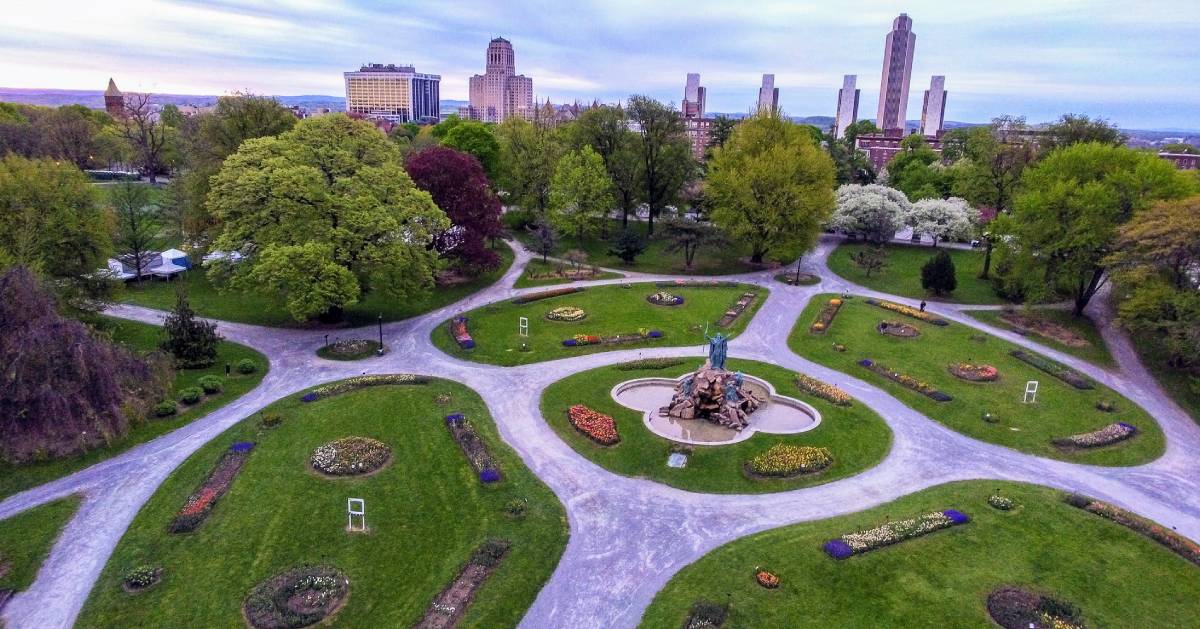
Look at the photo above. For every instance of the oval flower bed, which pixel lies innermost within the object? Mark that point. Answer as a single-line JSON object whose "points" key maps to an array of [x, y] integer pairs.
{"points": [[893, 532], [825, 317], [595, 426], [1016, 608], [785, 461], [663, 298], [566, 313], [826, 392], [352, 456], [1110, 434], [300, 597], [974, 373]]}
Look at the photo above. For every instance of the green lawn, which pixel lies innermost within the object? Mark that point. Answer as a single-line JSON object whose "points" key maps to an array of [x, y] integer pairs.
{"points": [[712, 260], [1183, 387], [261, 309], [536, 266], [610, 310], [1096, 352], [902, 275], [26, 538], [856, 436], [141, 337], [1060, 409], [426, 512], [1118, 578]]}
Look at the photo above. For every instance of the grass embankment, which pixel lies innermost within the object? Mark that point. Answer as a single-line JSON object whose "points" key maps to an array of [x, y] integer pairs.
{"points": [[26, 539]]}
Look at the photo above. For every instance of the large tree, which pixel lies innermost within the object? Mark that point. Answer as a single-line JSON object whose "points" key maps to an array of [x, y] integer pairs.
{"points": [[665, 157], [580, 193], [917, 170], [688, 236], [137, 223], [770, 186], [146, 134], [529, 153], [325, 212], [605, 128], [873, 211], [459, 186], [942, 219], [475, 138], [1079, 129]]}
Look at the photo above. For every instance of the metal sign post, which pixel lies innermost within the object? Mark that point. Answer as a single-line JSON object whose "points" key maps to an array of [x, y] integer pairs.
{"points": [[356, 507], [1031, 389]]}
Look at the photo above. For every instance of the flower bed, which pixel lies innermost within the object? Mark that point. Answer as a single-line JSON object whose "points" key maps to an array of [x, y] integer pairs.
{"points": [[920, 386], [579, 340], [893, 532], [974, 373], [737, 309], [300, 597], [595, 426], [1177, 543], [806, 279], [767, 579], [696, 284], [785, 461], [349, 349], [476, 451], [451, 603], [706, 615], [1001, 503], [547, 294], [460, 333], [1068, 376], [141, 578], [908, 311], [897, 329], [651, 363], [663, 298], [566, 313], [825, 317], [358, 382], [218, 481], [826, 392], [352, 456], [1016, 608], [1110, 434]]}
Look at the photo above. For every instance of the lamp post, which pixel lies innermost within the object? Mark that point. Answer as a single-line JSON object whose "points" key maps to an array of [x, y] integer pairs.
{"points": [[380, 335], [326, 340]]}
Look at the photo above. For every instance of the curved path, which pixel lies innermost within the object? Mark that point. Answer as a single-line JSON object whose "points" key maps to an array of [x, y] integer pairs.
{"points": [[628, 536]]}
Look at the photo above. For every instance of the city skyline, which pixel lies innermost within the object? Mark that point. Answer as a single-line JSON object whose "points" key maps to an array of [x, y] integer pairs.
{"points": [[1038, 59]]}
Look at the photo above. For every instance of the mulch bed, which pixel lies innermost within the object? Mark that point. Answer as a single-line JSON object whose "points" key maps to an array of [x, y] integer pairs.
{"points": [[1041, 327], [737, 309], [449, 606], [1017, 608], [476, 451], [897, 329], [300, 597], [202, 501]]}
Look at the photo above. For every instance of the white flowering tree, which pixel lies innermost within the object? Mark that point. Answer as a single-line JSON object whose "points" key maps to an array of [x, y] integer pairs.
{"points": [[943, 219], [873, 211]]}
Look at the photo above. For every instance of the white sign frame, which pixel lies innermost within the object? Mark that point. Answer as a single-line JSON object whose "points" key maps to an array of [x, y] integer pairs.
{"points": [[523, 327], [1031, 389], [356, 507]]}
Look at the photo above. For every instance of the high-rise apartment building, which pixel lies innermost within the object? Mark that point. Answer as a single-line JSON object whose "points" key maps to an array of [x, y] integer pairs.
{"points": [[114, 100], [897, 73], [695, 124], [392, 92], [500, 92], [693, 97], [847, 107], [768, 94], [933, 112]]}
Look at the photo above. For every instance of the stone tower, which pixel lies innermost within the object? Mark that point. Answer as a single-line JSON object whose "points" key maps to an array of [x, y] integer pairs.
{"points": [[114, 100]]}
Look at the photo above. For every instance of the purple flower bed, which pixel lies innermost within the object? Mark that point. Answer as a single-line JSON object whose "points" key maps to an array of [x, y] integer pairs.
{"points": [[956, 516], [838, 549], [655, 334], [242, 447], [454, 418], [310, 397], [489, 476]]}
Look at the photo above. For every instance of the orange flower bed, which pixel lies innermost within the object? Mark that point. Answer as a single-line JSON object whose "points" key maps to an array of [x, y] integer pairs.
{"points": [[595, 426], [769, 580]]}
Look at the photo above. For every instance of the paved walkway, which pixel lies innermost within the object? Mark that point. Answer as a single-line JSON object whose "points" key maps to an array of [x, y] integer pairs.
{"points": [[629, 536]]}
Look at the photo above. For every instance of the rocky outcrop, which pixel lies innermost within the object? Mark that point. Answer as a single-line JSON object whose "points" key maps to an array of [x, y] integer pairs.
{"points": [[715, 395]]}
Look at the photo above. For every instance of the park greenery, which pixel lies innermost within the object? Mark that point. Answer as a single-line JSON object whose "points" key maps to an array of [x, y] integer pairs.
{"points": [[26, 539]]}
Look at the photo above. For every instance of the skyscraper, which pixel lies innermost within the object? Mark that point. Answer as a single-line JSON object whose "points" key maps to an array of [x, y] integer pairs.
{"points": [[392, 92], [897, 73], [847, 107], [768, 94], [500, 92], [933, 112], [693, 97], [114, 100]]}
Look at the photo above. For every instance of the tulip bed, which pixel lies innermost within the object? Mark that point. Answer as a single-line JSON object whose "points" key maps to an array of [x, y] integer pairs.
{"points": [[596, 426], [908, 311], [351, 456], [826, 392], [1177, 543], [481, 460], [351, 384], [785, 460], [920, 386], [200, 504], [825, 317], [529, 298], [893, 532], [1110, 434], [460, 333], [1069, 376]]}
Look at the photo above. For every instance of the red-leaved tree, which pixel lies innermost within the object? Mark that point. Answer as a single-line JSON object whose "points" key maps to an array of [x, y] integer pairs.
{"points": [[459, 186]]}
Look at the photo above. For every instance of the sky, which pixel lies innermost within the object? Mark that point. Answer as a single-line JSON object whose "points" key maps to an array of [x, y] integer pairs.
{"points": [[1135, 63]]}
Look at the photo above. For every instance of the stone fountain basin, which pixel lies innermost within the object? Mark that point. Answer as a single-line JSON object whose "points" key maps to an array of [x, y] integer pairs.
{"points": [[779, 415]]}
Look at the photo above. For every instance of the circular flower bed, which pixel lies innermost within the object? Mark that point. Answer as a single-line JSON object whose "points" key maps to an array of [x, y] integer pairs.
{"points": [[140, 578], [785, 461], [974, 373], [297, 598], [895, 328], [1001, 503], [663, 298], [767, 579], [566, 313], [349, 349], [352, 456], [1015, 608]]}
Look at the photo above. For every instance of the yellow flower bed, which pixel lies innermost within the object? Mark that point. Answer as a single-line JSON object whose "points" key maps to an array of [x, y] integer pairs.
{"points": [[827, 392], [789, 460]]}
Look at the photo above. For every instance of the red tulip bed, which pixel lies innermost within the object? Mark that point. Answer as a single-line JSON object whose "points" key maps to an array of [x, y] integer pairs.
{"points": [[462, 336], [1177, 543], [595, 426], [450, 604], [476, 451], [737, 309], [202, 501]]}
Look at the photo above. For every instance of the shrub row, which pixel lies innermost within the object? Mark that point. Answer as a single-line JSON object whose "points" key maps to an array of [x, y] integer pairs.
{"points": [[218, 481], [595, 426], [651, 363], [1177, 543], [893, 532], [547, 294], [1068, 376], [908, 311], [826, 392], [358, 382], [1110, 434], [920, 386], [784, 460], [476, 451]]}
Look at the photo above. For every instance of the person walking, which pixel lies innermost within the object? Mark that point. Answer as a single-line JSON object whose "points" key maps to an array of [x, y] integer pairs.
{"points": [[922, 305]]}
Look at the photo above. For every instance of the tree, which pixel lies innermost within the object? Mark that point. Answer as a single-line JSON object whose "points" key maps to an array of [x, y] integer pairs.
{"points": [[147, 136], [874, 212], [688, 236], [948, 219], [861, 127], [606, 130], [529, 153], [1079, 129], [1180, 147], [917, 170], [459, 186], [476, 138], [1068, 212], [575, 258], [580, 193], [720, 130], [73, 133], [938, 274], [770, 186], [136, 221], [665, 154], [193, 342], [627, 245], [545, 239], [869, 259], [443, 128], [851, 165], [324, 213]]}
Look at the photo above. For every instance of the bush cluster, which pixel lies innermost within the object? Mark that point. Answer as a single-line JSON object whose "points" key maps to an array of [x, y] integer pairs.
{"points": [[212, 384], [246, 366], [191, 395], [165, 408], [141, 577]]}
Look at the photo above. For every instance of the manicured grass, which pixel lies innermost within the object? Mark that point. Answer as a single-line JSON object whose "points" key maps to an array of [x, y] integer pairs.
{"points": [[1096, 352], [902, 275], [536, 266], [1060, 410], [856, 436], [426, 513], [1117, 577], [1183, 387], [26, 538], [610, 310], [141, 337], [261, 309], [712, 260]]}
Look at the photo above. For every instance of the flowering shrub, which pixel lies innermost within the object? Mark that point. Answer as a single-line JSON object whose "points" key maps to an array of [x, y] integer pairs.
{"points": [[350, 456], [566, 313], [1108, 435], [486, 467], [974, 373], [201, 502], [595, 426], [546, 294], [358, 382], [663, 298], [1068, 376], [908, 312], [460, 334], [920, 386], [767, 579], [827, 392], [650, 363], [893, 532], [1178, 544], [300, 597], [784, 460], [1001, 503], [825, 317]]}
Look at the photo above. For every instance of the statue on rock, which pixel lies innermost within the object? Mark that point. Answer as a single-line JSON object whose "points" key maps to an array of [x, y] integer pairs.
{"points": [[713, 393]]}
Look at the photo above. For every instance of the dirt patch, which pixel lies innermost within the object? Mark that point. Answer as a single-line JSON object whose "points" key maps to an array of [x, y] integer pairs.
{"points": [[1027, 324], [895, 328], [450, 604]]}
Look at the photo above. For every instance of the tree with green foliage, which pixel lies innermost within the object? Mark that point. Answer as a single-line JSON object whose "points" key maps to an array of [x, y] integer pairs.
{"points": [[545, 239], [917, 170], [665, 154], [938, 274], [851, 165], [606, 130], [688, 237], [324, 212], [770, 186], [719, 131], [1180, 148], [530, 154], [193, 342], [441, 129], [74, 133], [870, 259], [1072, 129], [475, 138], [580, 193], [137, 223], [627, 245]]}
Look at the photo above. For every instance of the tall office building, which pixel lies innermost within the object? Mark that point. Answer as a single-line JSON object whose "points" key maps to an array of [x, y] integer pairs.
{"points": [[933, 112], [392, 92], [768, 94], [500, 92], [897, 73], [693, 97], [847, 107]]}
